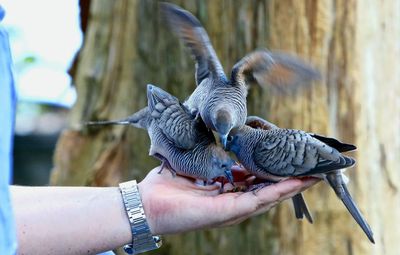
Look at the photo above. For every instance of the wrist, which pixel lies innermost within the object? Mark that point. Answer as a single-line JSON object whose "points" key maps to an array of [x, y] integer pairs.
{"points": [[147, 207], [142, 237]]}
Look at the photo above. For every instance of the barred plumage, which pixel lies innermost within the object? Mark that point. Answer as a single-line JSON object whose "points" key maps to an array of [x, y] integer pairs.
{"points": [[205, 161], [275, 154], [180, 141], [221, 102], [174, 120]]}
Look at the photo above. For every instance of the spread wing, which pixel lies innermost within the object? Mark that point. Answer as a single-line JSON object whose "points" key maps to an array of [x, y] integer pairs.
{"points": [[195, 37], [282, 72]]}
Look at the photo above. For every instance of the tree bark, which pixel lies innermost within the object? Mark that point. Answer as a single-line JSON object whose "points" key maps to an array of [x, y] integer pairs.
{"points": [[354, 43]]}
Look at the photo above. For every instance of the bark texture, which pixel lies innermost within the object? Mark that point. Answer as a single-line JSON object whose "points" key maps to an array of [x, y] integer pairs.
{"points": [[354, 43]]}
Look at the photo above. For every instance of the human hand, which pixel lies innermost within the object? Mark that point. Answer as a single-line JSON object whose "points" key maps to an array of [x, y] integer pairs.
{"points": [[179, 204]]}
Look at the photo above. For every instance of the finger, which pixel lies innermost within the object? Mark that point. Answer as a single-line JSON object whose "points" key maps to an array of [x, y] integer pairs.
{"points": [[285, 189], [200, 185], [232, 208], [250, 180], [241, 205], [305, 184], [264, 199]]}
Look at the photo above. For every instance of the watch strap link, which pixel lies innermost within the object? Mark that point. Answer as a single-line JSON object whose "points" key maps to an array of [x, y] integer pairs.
{"points": [[142, 239]]}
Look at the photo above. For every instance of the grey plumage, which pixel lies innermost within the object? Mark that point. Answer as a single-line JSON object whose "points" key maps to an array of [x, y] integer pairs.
{"points": [[204, 161], [299, 204], [139, 119], [221, 102], [169, 124], [172, 118], [276, 154]]}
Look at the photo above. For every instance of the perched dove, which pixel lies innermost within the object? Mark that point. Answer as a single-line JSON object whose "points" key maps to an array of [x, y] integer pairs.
{"points": [[299, 204], [221, 102], [168, 123], [278, 153]]}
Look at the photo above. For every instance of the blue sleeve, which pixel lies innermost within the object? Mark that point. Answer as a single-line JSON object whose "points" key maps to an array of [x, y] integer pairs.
{"points": [[7, 111]]}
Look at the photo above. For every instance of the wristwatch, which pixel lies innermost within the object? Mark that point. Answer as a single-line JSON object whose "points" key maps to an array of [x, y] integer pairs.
{"points": [[142, 239]]}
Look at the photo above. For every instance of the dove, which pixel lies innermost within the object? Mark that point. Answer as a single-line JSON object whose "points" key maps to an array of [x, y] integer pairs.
{"points": [[176, 123], [221, 102], [168, 124], [299, 204], [277, 154]]}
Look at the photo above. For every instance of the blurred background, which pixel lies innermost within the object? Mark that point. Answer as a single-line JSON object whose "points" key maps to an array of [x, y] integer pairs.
{"points": [[91, 60], [44, 36]]}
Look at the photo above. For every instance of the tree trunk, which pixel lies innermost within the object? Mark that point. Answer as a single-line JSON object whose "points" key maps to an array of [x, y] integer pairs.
{"points": [[354, 43]]}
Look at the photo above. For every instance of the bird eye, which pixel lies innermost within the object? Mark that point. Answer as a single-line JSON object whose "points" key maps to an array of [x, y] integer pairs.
{"points": [[229, 138]]}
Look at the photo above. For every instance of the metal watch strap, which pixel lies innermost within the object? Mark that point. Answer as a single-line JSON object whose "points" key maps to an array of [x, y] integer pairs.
{"points": [[142, 239]]}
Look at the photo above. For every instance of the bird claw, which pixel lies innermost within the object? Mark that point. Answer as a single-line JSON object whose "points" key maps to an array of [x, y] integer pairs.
{"points": [[254, 188], [165, 164], [173, 172]]}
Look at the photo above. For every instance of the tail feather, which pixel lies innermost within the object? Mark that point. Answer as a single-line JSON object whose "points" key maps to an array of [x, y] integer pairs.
{"points": [[332, 142], [139, 119], [300, 208], [336, 182], [326, 166], [109, 122]]}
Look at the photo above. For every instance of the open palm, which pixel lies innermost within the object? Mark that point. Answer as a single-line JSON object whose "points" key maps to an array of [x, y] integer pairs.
{"points": [[179, 204]]}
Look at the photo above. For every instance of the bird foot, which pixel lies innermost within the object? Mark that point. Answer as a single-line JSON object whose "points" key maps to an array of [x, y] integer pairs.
{"points": [[254, 188], [165, 164], [172, 171]]}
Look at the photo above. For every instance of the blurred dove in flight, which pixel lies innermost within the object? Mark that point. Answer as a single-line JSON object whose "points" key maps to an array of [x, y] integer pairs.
{"points": [[221, 102]]}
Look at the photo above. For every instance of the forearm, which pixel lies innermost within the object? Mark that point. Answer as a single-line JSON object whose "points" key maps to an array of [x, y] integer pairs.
{"points": [[73, 220], [88, 220]]}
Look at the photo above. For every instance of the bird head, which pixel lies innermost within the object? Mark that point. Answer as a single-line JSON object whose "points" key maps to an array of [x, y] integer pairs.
{"points": [[232, 140], [157, 95], [221, 164], [223, 123]]}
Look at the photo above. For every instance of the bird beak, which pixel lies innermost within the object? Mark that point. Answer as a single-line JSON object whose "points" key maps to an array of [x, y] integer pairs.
{"points": [[223, 139], [229, 176]]}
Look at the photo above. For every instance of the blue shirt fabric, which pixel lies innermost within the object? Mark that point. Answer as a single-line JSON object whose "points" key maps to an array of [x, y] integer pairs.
{"points": [[7, 112]]}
